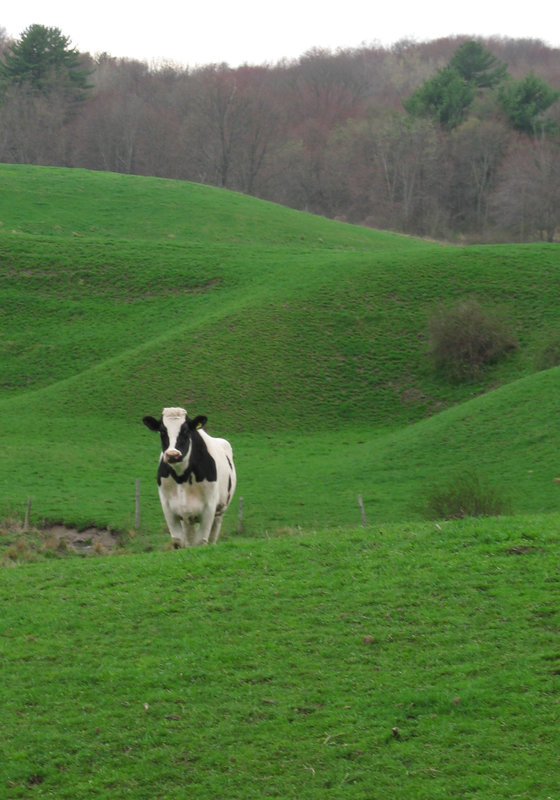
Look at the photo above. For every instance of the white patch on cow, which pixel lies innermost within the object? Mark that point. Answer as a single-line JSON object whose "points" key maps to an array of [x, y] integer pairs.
{"points": [[173, 419]]}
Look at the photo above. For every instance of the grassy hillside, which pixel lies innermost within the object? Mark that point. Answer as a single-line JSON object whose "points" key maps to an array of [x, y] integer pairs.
{"points": [[417, 662], [307, 658], [303, 339]]}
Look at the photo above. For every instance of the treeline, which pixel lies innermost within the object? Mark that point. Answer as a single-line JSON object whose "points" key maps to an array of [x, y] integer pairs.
{"points": [[407, 138]]}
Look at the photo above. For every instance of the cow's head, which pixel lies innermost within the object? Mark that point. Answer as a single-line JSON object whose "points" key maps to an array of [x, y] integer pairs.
{"points": [[176, 431]]}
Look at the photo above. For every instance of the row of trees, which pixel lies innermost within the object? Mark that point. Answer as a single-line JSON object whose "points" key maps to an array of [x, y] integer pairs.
{"points": [[447, 138]]}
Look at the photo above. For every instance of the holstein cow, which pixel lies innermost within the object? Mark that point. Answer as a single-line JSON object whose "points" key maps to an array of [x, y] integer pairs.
{"points": [[196, 477]]}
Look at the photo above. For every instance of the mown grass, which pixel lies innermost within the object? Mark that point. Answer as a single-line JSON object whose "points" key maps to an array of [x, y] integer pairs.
{"points": [[411, 660]]}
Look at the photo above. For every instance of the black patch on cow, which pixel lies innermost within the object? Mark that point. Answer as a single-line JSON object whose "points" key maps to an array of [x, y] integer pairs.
{"points": [[201, 462], [152, 423], [157, 425], [200, 465]]}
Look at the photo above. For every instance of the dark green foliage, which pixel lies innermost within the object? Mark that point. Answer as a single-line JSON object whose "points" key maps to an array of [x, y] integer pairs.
{"points": [[446, 98], [42, 60], [466, 337], [448, 95], [466, 494], [525, 101], [478, 66]]}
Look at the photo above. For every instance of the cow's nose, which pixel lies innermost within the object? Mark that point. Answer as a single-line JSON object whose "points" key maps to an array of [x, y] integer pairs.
{"points": [[172, 456]]}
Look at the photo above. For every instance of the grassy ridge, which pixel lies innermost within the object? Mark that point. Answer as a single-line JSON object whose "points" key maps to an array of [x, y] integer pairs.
{"points": [[71, 204], [332, 664], [348, 329]]}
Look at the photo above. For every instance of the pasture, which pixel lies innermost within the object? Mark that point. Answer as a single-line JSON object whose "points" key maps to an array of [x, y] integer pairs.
{"points": [[416, 661], [308, 656], [303, 340]]}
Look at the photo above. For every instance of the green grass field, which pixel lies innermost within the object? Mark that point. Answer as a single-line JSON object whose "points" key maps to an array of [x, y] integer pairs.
{"points": [[417, 662], [308, 657]]}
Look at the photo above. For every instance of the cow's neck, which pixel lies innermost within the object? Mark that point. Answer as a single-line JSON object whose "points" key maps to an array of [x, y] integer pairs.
{"points": [[180, 472]]}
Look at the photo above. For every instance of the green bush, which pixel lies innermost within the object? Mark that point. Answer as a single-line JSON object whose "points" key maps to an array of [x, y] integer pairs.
{"points": [[466, 337], [466, 494]]}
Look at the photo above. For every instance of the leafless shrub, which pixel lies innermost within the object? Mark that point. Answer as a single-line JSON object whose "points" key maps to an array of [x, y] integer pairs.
{"points": [[466, 494], [466, 337]]}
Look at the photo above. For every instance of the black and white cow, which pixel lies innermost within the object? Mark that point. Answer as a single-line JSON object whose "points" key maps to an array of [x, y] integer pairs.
{"points": [[196, 477]]}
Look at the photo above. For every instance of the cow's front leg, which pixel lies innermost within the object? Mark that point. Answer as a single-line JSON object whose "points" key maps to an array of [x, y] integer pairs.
{"points": [[175, 527], [189, 530], [205, 526]]}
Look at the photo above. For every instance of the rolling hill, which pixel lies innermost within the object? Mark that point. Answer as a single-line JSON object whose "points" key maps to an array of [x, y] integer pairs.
{"points": [[308, 657], [304, 340]]}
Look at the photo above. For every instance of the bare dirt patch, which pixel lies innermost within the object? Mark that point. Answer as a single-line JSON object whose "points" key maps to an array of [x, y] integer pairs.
{"points": [[88, 540], [522, 549]]}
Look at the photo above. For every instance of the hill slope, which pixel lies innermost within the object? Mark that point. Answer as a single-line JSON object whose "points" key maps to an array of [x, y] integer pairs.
{"points": [[298, 336]]}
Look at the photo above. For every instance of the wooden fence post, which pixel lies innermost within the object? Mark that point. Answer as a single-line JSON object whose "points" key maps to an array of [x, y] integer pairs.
{"points": [[137, 515], [361, 504], [240, 516], [27, 514]]}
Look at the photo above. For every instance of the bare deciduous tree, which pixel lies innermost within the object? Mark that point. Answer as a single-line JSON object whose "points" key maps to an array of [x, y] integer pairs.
{"points": [[32, 127], [527, 203], [476, 150]]}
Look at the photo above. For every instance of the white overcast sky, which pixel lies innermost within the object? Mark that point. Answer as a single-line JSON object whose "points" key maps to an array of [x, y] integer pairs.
{"points": [[196, 32]]}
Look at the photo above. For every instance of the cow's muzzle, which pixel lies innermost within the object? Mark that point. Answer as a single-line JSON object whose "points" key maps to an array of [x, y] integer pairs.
{"points": [[172, 456]]}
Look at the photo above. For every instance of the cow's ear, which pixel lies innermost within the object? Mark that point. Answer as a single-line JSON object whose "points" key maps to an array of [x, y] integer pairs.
{"points": [[151, 423], [197, 423]]}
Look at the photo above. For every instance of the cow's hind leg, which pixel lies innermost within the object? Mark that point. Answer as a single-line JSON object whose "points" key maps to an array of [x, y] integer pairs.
{"points": [[216, 527]]}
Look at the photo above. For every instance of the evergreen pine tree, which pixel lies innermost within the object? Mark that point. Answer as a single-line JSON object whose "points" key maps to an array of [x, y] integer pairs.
{"points": [[42, 61]]}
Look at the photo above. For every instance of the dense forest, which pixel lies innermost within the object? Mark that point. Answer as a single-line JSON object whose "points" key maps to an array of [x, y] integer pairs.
{"points": [[454, 138]]}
